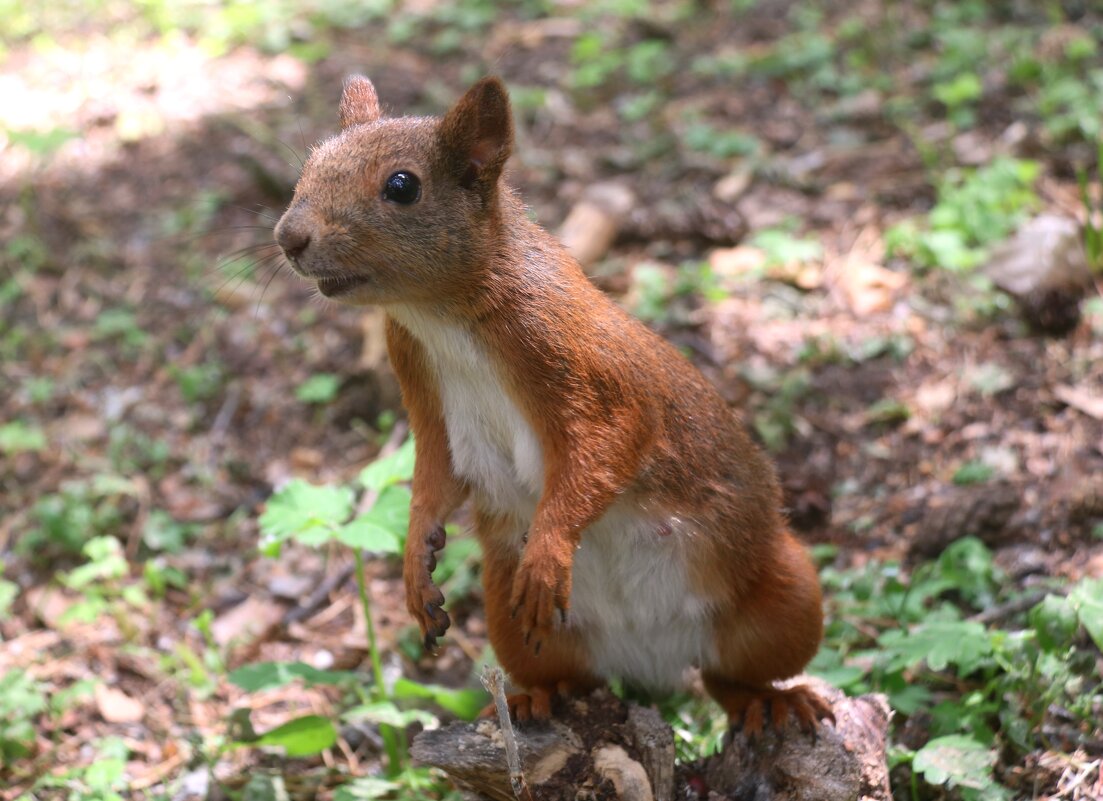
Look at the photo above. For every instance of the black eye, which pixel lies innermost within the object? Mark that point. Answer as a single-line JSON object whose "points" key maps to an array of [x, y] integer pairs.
{"points": [[402, 187]]}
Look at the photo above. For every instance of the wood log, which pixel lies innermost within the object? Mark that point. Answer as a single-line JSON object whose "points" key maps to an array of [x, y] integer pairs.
{"points": [[599, 748]]}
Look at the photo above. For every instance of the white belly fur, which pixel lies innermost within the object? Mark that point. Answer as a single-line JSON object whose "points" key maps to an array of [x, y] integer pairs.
{"points": [[630, 595]]}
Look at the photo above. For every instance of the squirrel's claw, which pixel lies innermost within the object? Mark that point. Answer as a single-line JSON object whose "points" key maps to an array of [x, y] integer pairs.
{"points": [[424, 600], [540, 597]]}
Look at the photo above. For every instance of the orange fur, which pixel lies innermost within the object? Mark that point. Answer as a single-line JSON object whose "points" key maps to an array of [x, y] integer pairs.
{"points": [[605, 413]]}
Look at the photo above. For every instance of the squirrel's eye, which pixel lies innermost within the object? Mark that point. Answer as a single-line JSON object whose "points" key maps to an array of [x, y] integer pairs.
{"points": [[402, 187]]}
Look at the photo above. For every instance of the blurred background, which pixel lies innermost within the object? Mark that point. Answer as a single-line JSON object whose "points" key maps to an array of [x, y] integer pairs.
{"points": [[874, 225]]}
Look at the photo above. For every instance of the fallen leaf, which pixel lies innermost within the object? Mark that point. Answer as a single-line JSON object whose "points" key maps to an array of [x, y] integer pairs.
{"points": [[115, 706], [1083, 400], [250, 620], [737, 261], [869, 288]]}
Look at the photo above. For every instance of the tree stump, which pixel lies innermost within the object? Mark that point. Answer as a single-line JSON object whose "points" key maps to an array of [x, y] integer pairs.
{"points": [[599, 748]]}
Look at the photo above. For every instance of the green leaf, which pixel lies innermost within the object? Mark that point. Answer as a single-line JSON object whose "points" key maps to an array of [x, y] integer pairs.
{"points": [[956, 761], [392, 469], [8, 591], [367, 788], [41, 143], [388, 714], [382, 529], [1055, 621], [973, 473], [303, 736], [266, 675], [320, 388], [941, 643], [1087, 598], [464, 704], [367, 535], [17, 437], [308, 513], [265, 787]]}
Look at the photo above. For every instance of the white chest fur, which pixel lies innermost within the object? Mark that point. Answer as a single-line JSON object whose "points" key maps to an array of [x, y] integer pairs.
{"points": [[492, 444], [630, 595]]}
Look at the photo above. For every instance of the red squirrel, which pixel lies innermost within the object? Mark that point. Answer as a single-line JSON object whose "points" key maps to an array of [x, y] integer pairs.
{"points": [[628, 524]]}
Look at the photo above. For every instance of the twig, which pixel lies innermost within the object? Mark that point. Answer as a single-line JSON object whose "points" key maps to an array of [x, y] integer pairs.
{"points": [[319, 597], [1013, 607], [494, 681]]}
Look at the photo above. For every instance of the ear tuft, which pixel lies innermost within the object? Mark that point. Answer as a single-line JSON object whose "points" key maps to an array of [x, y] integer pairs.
{"points": [[359, 102], [477, 133]]}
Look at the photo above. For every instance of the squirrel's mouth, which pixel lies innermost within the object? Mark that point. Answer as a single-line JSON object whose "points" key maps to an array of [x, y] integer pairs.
{"points": [[339, 285]]}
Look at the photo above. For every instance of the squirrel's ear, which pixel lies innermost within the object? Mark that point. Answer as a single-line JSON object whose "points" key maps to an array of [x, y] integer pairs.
{"points": [[477, 133], [359, 102]]}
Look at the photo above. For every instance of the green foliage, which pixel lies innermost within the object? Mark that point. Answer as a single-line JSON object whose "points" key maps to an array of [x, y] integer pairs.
{"points": [[394, 469], [782, 246], [41, 143], [163, 533], [973, 473], [662, 295], [22, 700], [100, 583], [19, 437], [776, 419], [1091, 195], [64, 521], [308, 513], [320, 388], [975, 209], [198, 382], [959, 761], [104, 779], [299, 737], [313, 516], [985, 687], [959, 94], [269, 675], [721, 143]]}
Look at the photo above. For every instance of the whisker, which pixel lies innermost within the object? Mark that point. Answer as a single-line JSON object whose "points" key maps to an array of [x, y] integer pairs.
{"points": [[243, 273], [268, 283], [267, 215], [293, 152], [302, 138], [228, 260]]}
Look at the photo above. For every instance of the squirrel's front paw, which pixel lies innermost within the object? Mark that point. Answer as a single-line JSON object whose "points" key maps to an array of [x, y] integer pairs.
{"points": [[423, 598], [541, 593]]}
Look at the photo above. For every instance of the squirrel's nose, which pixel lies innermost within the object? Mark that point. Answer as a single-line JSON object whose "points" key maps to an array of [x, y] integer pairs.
{"points": [[293, 242]]}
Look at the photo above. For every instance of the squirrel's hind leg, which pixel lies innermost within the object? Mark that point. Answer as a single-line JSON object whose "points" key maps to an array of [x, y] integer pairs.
{"points": [[769, 634], [559, 667]]}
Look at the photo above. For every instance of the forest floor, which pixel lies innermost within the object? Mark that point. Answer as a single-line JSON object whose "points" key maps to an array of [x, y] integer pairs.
{"points": [[162, 373]]}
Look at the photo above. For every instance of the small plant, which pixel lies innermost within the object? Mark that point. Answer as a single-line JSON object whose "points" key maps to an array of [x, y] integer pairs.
{"points": [[1093, 210], [22, 701], [64, 521], [100, 581], [316, 516], [320, 388], [661, 295], [981, 688], [974, 210], [19, 437]]}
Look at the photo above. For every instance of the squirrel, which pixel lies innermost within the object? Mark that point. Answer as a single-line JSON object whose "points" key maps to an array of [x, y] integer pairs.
{"points": [[629, 526]]}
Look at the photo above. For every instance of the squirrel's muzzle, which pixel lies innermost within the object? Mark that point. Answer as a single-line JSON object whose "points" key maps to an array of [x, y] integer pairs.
{"points": [[292, 238]]}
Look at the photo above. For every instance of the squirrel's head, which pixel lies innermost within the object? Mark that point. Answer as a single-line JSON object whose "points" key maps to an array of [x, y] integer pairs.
{"points": [[404, 209]]}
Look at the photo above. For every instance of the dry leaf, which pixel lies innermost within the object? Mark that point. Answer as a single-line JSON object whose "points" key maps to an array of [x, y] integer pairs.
{"points": [[115, 706], [250, 620], [1083, 400], [869, 288]]}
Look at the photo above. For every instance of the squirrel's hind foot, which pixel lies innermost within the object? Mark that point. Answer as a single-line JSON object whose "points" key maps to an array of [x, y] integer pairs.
{"points": [[533, 705], [752, 709]]}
